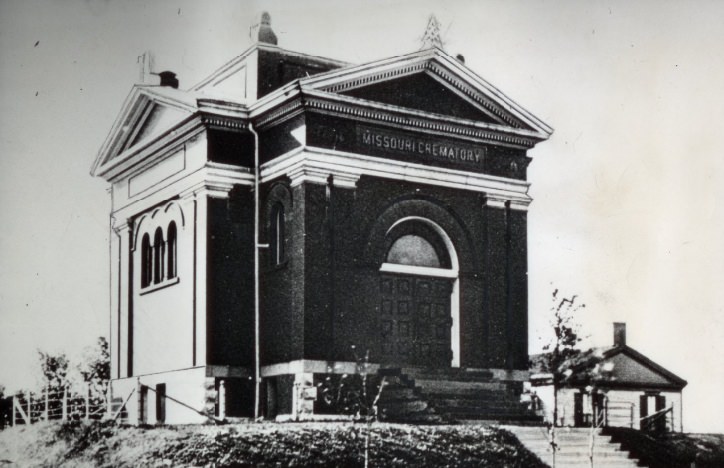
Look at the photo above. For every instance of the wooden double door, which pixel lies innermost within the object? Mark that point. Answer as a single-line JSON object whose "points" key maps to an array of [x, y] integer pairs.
{"points": [[415, 320]]}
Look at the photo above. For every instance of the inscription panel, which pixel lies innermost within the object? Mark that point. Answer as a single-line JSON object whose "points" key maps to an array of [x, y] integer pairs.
{"points": [[427, 149]]}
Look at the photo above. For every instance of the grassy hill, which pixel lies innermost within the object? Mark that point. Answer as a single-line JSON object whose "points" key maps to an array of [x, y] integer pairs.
{"points": [[264, 444]]}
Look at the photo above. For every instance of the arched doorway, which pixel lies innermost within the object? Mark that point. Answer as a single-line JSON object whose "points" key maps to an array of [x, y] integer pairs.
{"points": [[419, 298]]}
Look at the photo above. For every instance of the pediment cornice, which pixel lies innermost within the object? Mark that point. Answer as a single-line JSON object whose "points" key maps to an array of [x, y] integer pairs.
{"points": [[291, 104], [126, 143], [441, 67]]}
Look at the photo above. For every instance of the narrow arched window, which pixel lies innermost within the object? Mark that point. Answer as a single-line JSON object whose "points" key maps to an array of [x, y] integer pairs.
{"points": [[146, 261], [277, 234], [158, 251], [171, 251]]}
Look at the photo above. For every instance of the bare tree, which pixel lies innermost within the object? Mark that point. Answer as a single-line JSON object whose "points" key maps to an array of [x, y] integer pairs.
{"points": [[561, 353]]}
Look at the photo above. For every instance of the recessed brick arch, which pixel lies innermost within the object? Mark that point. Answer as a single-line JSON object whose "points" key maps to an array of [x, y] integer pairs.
{"points": [[444, 224], [375, 247]]}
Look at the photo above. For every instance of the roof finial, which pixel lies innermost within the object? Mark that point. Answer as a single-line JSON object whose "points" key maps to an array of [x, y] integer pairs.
{"points": [[263, 30], [431, 38]]}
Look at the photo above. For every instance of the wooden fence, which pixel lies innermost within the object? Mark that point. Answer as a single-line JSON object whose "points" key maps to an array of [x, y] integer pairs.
{"points": [[64, 404]]}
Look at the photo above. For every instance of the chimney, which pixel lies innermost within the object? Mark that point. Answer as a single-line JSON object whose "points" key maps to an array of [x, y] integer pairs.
{"points": [[619, 334], [168, 78]]}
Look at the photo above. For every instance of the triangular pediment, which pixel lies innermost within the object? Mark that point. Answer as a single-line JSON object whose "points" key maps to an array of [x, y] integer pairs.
{"points": [[424, 92], [147, 113], [433, 82], [158, 119]]}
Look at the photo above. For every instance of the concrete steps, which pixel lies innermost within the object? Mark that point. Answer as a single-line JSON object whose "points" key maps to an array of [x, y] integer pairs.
{"points": [[573, 447], [450, 395]]}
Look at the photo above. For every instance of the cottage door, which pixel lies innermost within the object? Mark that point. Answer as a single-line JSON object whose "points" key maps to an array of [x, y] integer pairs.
{"points": [[415, 320]]}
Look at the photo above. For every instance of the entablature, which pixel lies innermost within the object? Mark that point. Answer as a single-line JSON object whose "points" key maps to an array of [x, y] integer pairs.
{"points": [[315, 165]]}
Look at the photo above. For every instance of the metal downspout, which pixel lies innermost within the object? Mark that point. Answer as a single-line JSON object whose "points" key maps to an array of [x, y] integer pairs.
{"points": [[257, 358]]}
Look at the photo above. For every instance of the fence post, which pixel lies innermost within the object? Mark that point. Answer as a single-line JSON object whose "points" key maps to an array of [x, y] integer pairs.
{"points": [[87, 401], [64, 417], [12, 419], [632, 413], [30, 408], [222, 399], [139, 399], [47, 389]]}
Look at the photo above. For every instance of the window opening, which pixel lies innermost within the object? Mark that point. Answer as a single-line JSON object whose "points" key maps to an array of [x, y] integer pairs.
{"points": [[160, 403], [171, 251], [146, 261], [158, 251], [414, 250]]}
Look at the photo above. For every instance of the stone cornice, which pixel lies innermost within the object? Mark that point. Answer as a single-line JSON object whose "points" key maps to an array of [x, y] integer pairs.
{"points": [[315, 165], [401, 117]]}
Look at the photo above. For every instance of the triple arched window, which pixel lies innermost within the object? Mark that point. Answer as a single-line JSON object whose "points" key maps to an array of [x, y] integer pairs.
{"points": [[159, 256]]}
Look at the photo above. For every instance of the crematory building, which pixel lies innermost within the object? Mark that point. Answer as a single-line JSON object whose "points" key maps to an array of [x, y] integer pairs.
{"points": [[291, 214]]}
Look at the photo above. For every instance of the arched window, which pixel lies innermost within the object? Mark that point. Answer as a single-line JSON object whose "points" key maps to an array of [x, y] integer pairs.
{"points": [[171, 251], [146, 261], [158, 254], [412, 249], [416, 244], [277, 234]]}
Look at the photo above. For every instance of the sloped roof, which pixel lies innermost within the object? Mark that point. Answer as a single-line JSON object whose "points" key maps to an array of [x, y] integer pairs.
{"points": [[442, 67], [151, 111], [629, 368]]}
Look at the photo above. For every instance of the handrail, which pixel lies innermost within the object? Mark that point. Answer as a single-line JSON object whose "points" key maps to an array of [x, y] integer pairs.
{"points": [[646, 422], [201, 413], [658, 413], [594, 428]]}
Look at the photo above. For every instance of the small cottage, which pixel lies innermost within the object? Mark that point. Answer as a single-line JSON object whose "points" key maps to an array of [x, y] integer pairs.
{"points": [[612, 386]]}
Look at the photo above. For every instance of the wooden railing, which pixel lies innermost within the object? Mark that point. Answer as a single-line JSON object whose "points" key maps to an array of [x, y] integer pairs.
{"points": [[658, 421], [57, 404]]}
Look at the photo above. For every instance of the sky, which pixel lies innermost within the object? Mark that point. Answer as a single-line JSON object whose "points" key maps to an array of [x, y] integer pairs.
{"points": [[626, 212]]}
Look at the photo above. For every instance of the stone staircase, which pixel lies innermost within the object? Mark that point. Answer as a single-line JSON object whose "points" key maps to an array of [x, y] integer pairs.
{"points": [[424, 395], [573, 447]]}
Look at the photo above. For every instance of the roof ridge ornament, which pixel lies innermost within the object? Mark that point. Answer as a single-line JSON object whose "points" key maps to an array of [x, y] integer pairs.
{"points": [[431, 38], [263, 30]]}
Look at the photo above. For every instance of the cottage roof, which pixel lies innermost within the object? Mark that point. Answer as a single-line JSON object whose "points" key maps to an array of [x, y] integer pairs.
{"points": [[613, 367]]}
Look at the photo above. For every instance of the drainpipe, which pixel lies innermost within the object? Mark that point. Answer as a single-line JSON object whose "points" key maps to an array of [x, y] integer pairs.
{"points": [[257, 246]]}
